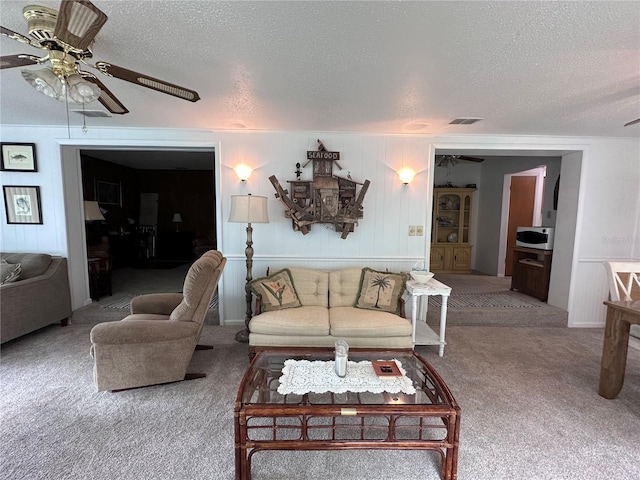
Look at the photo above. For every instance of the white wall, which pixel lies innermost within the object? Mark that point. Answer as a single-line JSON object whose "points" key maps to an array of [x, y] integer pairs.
{"points": [[50, 237], [609, 179]]}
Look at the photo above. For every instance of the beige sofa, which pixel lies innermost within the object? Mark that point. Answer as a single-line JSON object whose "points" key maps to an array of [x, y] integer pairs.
{"points": [[38, 297], [328, 313]]}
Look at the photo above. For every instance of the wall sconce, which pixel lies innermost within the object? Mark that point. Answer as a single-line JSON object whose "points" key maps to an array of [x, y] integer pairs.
{"points": [[243, 171], [406, 175]]}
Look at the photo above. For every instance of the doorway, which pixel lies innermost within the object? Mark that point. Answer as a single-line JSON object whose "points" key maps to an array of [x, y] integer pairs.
{"points": [[526, 190], [74, 195], [182, 183]]}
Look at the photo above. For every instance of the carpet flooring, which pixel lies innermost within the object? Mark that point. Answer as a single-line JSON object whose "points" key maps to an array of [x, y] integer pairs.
{"points": [[530, 411], [484, 300]]}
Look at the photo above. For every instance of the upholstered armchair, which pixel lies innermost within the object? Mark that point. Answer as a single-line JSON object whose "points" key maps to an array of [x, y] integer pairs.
{"points": [[154, 344]]}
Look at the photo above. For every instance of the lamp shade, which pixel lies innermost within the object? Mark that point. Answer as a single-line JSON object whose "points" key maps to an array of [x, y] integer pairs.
{"points": [[248, 209], [81, 90], [45, 81], [177, 218], [92, 212]]}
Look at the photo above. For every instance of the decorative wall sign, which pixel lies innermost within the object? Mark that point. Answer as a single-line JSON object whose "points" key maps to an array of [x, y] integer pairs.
{"points": [[19, 157], [327, 198], [22, 204]]}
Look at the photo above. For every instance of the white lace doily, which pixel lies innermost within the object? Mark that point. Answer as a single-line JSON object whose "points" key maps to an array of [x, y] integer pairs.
{"points": [[303, 376]]}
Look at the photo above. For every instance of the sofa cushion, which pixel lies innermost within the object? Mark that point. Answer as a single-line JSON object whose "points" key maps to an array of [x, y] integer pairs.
{"points": [[276, 292], [381, 291], [33, 264], [312, 286], [344, 286], [353, 322], [308, 321], [9, 272]]}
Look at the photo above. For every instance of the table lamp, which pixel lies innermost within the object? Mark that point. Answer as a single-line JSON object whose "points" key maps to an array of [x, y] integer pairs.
{"points": [[177, 219]]}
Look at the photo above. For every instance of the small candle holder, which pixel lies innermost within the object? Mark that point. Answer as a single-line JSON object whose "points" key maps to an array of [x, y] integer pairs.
{"points": [[341, 358]]}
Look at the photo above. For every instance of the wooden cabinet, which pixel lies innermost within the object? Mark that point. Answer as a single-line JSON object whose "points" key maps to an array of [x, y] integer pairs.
{"points": [[450, 259], [531, 271], [451, 230]]}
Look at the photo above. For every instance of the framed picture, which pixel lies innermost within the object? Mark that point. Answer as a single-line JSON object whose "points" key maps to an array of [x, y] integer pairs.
{"points": [[19, 157], [22, 204], [108, 193]]}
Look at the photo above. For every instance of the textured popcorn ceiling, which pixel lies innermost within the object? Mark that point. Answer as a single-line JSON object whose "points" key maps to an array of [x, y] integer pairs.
{"points": [[549, 68]]}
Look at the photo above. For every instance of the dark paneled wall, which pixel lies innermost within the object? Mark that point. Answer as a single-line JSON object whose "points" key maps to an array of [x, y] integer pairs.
{"points": [[94, 171], [188, 192]]}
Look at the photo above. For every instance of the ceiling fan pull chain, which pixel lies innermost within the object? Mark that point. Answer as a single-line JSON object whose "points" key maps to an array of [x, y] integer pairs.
{"points": [[66, 104], [84, 121]]}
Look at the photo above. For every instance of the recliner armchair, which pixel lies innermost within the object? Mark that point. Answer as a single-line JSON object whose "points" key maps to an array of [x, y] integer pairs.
{"points": [[155, 343]]}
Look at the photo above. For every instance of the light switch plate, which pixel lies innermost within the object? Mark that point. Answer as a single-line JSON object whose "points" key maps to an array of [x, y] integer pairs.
{"points": [[412, 230], [419, 230]]}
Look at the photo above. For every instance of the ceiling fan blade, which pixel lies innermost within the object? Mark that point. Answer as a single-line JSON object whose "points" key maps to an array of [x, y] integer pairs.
{"points": [[79, 21], [18, 36], [632, 122], [469, 159], [20, 60], [106, 98], [149, 82]]}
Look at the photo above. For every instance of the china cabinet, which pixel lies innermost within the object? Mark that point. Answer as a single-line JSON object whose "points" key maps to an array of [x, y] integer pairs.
{"points": [[451, 230]]}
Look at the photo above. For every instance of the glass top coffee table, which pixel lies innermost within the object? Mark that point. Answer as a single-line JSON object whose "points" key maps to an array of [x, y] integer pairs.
{"points": [[264, 419]]}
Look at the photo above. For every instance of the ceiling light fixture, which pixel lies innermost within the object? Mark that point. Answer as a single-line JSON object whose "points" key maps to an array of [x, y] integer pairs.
{"points": [[46, 82], [82, 91], [54, 85]]}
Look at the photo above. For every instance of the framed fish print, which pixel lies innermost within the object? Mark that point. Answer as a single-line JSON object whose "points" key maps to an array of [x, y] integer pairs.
{"points": [[22, 204], [19, 157]]}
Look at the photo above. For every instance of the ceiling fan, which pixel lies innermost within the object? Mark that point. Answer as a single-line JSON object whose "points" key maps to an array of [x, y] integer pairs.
{"points": [[67, 35], [632, 122], [451, 160]]}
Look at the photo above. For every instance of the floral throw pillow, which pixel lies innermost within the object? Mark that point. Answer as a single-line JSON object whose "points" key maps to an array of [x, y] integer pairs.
{"points": [[381, 291], [276, 291]]}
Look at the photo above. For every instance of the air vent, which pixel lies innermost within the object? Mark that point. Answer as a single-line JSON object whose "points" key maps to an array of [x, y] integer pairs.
{"points": [[464, 121], [93, 113]]}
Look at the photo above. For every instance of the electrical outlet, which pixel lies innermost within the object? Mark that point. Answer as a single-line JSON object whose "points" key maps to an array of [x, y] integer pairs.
{"points": [[419, 230], [412, 231]]}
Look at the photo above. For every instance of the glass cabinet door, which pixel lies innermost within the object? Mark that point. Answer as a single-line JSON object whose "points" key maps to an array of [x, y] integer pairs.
{"points": [[452, 216]]}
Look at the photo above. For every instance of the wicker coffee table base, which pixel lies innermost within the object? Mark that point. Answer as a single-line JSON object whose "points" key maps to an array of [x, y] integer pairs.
{"points": [[403, 427]]}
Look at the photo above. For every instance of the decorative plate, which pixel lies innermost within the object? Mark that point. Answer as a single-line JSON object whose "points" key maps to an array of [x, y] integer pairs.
{"points": [[452, 237]]}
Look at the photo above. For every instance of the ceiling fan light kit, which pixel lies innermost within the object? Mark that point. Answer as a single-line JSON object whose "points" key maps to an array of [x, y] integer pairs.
{"points": [[46, 82], [81, 91], [67, 34]]}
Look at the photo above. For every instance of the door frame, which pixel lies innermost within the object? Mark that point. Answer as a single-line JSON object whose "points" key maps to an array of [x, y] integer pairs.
{"points": [[540, 174], [574, 156], [74, 210]]}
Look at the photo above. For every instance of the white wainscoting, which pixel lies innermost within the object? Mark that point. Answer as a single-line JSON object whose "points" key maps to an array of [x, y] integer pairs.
{"points": [[233, 303], [591, 286]]}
